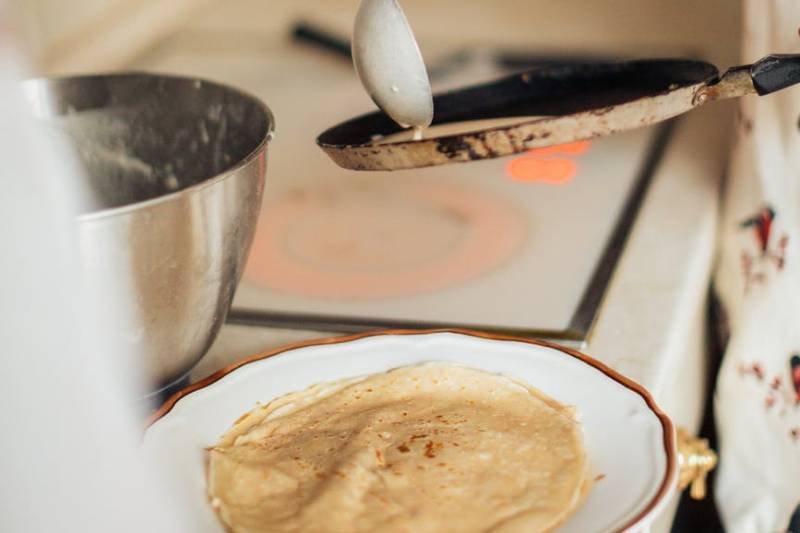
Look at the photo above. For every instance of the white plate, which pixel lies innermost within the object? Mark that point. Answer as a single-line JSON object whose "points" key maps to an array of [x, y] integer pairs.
{"points": [[629, 441]]}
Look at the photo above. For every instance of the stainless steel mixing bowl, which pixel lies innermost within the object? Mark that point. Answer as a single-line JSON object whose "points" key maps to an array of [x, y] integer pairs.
{"points": [[175, 168]]}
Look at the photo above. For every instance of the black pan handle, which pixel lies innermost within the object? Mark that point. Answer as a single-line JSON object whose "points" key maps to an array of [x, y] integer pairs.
{"points": [[308, 33], [767, 75], [775, 72]]}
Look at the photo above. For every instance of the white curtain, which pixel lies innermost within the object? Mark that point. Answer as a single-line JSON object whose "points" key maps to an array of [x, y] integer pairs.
{"points": [[758, 279]]}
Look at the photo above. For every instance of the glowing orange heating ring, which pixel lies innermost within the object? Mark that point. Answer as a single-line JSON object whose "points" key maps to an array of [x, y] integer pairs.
{"points": [[496, 232], [544, 165]]}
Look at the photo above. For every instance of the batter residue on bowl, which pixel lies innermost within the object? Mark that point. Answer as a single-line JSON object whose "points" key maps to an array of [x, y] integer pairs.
{"points": [[435, 447]]}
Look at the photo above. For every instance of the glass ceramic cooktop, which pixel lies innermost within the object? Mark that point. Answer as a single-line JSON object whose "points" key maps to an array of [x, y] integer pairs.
{"points": [[523, 244]]}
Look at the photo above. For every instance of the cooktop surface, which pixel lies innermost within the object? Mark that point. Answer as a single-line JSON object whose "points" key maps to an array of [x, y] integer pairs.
{"points": [[524, 244]]}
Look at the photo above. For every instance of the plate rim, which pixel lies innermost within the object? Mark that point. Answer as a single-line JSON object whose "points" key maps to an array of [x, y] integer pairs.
{"points": [[667, 426]]}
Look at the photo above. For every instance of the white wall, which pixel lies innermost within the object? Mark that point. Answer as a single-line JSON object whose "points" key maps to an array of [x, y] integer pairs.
{"points": [[85, 35]]}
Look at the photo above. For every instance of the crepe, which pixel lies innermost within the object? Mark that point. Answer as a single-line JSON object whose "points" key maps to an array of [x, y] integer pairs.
{"points": [[435, 447]]}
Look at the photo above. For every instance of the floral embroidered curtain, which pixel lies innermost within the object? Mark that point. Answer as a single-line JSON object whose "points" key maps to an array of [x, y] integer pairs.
{"points": [[757, 399]]}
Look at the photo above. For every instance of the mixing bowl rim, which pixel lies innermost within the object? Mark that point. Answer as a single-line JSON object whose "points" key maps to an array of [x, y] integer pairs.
{"points": [[207, 182]]}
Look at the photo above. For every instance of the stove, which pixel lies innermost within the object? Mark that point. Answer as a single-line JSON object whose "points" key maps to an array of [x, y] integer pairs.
{"points": [[626, 223], [525, 245]]}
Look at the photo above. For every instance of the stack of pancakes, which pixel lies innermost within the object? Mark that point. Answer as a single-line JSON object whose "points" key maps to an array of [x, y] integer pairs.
{"points": [[435, 447]]}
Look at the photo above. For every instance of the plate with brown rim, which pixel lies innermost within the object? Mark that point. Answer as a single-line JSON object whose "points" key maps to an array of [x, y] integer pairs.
{"points": [[629, 441]]}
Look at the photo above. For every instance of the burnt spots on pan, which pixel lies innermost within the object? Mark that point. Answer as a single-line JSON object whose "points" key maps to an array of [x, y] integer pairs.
{"points": [[488, 145], [455, 148], [534, 136], [603, 111]]}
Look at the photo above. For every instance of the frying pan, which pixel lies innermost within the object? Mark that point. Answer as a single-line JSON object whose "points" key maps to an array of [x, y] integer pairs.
{"points": [[562, 103]]}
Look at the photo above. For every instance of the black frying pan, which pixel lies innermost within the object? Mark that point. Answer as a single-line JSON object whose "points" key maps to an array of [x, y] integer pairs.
{"points": [[570, 102]]}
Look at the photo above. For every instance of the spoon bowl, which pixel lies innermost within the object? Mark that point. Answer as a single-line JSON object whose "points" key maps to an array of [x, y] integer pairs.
{"points": [[390, 65]]}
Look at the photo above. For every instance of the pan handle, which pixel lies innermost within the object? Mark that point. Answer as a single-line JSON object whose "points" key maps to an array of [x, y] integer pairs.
{"points": [[775, 72], [767, 75]]}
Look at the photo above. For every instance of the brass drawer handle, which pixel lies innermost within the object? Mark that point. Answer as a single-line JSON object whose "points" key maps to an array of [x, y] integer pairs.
{"points": [[695, 461]]}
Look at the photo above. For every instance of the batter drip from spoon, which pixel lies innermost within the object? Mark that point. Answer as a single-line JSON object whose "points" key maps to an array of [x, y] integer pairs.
{"points": [[390, 66]]}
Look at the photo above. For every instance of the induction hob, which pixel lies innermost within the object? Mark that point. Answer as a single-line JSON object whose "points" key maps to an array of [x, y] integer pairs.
{"points": [[524, 245]]}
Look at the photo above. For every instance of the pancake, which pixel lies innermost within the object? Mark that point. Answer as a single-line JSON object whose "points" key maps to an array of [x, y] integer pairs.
{"points": [[434, 447]]}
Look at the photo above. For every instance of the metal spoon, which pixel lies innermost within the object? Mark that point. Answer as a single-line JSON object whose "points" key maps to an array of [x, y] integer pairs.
{"points": [[573, 102], [390, 65]]}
